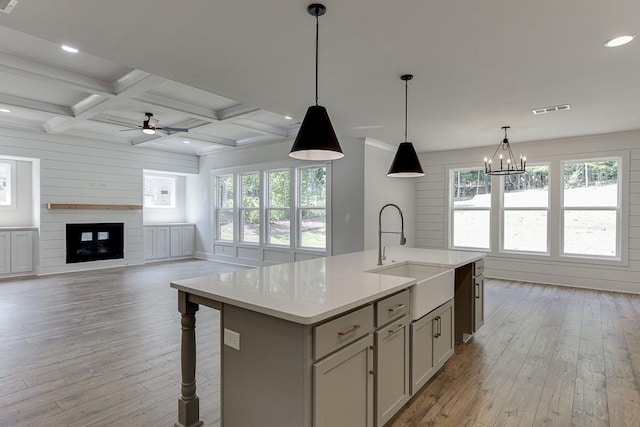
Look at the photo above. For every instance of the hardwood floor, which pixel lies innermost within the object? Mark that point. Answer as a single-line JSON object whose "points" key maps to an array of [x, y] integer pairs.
{"points": [[101, 348]]}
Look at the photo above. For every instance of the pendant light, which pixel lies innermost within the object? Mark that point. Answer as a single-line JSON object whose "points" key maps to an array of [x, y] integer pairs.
{"points": [[508, 165], [316, 139], [405, 163]]}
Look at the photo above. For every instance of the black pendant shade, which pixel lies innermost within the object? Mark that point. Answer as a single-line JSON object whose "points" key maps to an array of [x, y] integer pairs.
{"points": [[405, 163], [316, 138]]}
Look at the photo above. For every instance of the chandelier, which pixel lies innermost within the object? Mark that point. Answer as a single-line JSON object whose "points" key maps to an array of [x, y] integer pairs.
{"points": [[506, 160]]}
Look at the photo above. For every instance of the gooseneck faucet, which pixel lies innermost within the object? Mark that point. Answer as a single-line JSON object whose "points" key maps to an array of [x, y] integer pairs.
{"points": [[403, 240]]}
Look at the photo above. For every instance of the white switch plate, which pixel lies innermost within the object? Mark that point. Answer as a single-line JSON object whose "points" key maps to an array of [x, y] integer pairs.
{"points": [[232, 339]]}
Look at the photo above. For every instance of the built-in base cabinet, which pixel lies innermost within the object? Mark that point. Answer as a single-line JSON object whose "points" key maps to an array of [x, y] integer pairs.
{"points": [[478, 279], [343, 387], [164, 241], [432, 344], [16, 251]]}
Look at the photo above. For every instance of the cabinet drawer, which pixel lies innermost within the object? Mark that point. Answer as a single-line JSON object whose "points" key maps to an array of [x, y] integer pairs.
{"points": [[336, 333], [479, 268], [392, 308]]}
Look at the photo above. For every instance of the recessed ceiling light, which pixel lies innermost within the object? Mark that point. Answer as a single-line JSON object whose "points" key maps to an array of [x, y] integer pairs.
{"points": [[69, 49], [288, 117], [186, 142], [4, 110], [619, 41]]}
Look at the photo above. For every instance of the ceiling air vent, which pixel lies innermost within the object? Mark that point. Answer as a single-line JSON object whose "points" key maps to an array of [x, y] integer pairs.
{"points": [[7, 6], [553, 109]]}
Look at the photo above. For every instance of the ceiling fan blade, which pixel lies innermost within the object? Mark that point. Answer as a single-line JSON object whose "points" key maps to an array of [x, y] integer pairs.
{"points": [[170, 129]]}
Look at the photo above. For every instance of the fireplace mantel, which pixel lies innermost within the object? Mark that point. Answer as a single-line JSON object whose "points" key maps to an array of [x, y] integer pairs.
{"points": [[51, 206]]}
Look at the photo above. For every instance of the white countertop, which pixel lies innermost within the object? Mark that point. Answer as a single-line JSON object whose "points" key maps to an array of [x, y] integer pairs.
{"points": [[311, 291]]}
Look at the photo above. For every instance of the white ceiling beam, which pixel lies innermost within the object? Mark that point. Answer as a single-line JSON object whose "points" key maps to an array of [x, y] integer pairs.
{"points": [[35, 70], [129, 86], [30, 104], [186, 135], [261, 128], [195, 111], [237, 111]]}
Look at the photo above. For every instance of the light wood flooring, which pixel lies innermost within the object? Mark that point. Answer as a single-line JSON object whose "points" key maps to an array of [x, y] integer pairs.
{"points": [[102, 348]]}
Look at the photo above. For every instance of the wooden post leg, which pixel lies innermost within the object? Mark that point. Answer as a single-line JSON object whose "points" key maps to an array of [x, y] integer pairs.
{"points": [[188, 404]]}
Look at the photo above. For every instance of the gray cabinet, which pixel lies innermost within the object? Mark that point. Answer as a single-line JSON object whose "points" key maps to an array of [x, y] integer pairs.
{"points": [[16, 251], [5, 252], [432, 344], [478, 306], [392, 369], [165, 241], [343, 387]]}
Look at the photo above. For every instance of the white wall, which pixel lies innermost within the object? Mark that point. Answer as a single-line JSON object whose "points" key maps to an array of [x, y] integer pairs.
{"points": [[432, 206], [79, 170], [20, 215], [347, 205], [380, 190]]}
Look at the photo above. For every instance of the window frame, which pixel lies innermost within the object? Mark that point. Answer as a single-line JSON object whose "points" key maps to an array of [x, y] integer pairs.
{"points": [[617, 209], [504, 209], [242, 209], [555, 233], [453, 209], [300, 208], [217, 209], [12, 184], [268, 208], [174, 193]]}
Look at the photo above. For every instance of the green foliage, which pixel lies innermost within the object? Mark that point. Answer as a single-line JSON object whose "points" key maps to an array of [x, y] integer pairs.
{"points": [[586, 174], [468, 183], [313, 187], [535, 178], [279, 190]]}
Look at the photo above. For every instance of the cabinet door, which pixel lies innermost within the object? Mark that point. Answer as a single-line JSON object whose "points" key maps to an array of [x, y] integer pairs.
{"points": [[162, 241], [176, 241], [187, 240], [479, 303], [343, 387], [392, 369], [149, 242], [21, 251], [443, 343], [5, 252], [422, 363]]}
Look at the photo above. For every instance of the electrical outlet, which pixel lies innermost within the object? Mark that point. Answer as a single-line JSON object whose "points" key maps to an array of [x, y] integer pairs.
{"points": [[232, 339]]}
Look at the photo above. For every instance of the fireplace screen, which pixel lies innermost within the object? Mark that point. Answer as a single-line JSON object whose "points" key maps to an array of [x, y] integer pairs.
{"points": [[94, 242]]}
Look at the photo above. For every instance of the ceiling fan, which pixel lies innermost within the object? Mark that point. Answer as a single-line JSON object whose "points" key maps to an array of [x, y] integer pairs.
{"points": [[150, 126]]}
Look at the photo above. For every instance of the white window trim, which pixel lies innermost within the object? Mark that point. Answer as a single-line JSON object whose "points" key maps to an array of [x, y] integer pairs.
{"points": [[451, 209], [555, 228], [293, 248], [12, 184], [503, 209]]}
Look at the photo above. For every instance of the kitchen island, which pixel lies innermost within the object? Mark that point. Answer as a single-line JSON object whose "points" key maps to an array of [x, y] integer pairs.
{"points": [[298, 339]]}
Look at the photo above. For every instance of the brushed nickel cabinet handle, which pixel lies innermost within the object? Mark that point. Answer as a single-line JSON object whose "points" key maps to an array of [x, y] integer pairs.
{"points": [[396, 308], [348, 331], [478, 290], [435, 326], [439, 326]]}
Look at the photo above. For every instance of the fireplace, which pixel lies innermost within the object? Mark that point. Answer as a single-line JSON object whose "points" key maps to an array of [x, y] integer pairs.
{"points": [[94, 242]]}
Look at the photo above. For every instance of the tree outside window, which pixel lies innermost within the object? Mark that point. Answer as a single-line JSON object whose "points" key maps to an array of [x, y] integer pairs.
{"points": [[471, 208], [312, 212]]}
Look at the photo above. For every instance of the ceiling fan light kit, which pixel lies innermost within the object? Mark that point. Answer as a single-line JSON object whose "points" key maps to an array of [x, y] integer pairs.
{"points": [[150, 126], [316, 139], [405, 163]]}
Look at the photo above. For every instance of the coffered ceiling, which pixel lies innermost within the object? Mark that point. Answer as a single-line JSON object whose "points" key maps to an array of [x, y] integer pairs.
{"points": [[232, 71]]}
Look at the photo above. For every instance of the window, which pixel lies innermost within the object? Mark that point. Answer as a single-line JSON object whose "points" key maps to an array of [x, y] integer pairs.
{"points": [[471, 208], [250, 208], [6, 183], [160, 191], [526, 210], [278, 207], [591, 208], [312, 212], [224, 207]]}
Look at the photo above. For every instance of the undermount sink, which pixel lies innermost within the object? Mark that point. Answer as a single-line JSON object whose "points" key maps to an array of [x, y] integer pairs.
{"points": [[434, 287]]}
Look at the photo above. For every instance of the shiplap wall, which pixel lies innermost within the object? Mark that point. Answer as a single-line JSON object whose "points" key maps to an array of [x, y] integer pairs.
{"points": [[78, 170], [432, 212]]}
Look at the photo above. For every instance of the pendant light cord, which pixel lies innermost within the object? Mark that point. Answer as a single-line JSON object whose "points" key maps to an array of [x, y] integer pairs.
{"points": [[406, 108], [317, 31]]}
